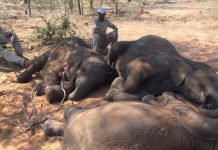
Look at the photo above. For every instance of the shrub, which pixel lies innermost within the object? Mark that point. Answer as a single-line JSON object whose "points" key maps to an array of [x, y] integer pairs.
{"points": [[54, 30]]}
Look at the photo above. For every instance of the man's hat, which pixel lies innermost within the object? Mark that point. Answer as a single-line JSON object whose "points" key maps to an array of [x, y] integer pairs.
{"points": [[102, 10]]}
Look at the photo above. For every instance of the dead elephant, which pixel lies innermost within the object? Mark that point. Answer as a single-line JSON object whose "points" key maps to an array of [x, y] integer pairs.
{"points": [[151, 65], [114, 127], [70, 69]]}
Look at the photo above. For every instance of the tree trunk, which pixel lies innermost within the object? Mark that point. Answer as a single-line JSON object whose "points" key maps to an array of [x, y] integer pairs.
{"points": [[79, 7], [29, 1], [81, 1], [71, 5], [91, 4], [117, 6]]}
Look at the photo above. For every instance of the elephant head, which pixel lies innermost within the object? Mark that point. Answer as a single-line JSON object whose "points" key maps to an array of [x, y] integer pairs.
{"points": [[91, 72], [118, 49], [202, 86]]}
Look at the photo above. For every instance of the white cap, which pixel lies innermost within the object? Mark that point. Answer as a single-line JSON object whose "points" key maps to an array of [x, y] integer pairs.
{"points": [[102, 10]]}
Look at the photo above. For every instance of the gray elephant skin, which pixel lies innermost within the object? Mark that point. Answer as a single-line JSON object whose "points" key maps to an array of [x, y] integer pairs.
{"points": [[135, 126], [72, 62], [151, 65]]}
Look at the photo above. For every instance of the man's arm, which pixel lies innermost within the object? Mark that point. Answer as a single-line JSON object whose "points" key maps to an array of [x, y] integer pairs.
{"points": [[114, 27]]}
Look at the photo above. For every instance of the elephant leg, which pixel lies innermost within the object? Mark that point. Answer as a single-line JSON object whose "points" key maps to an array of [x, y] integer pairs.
{"points": [[36, 66], [53, 91], [57, 93], [40, 88], [116, 95], [150, 99], [54, 128]]}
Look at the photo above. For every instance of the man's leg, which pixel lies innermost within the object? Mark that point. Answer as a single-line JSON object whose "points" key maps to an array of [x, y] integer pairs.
{"points": [[97, 40], [16, 45], [110, 38], [10, 57]]}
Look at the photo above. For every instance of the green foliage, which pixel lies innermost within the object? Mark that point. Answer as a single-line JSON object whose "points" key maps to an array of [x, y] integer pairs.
{"points": [[54, 30]]}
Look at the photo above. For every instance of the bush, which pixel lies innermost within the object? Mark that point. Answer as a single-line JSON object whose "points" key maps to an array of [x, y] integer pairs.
{"points": [[54, 30]]}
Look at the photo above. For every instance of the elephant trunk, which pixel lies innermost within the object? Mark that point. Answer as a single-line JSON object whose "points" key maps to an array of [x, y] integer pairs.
{"points": [[211, 109], [80, 92]]}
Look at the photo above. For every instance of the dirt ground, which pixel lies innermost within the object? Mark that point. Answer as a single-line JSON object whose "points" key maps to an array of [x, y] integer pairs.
{"points": [[188, 25]]}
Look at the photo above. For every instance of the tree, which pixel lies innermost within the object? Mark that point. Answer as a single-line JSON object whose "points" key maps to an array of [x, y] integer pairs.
{"points": [[80, 6], [117, 6], [91, 4], [71, 5]]}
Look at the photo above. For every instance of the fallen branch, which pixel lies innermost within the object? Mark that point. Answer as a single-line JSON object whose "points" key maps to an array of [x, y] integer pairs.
{"points": [[36, 123]]}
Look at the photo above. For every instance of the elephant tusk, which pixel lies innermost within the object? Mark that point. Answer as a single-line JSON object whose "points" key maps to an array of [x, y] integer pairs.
{"points": [[62, 87]]}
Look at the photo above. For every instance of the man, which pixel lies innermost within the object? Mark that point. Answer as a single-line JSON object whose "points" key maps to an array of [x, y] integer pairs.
{"points": [[5, 38], [100, 38]]}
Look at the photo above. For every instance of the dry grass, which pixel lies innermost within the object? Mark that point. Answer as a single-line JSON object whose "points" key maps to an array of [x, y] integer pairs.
{"points": [[188, 25]]}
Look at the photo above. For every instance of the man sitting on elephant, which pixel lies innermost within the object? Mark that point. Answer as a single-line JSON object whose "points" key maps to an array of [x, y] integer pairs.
{"points": [[100, 38]]}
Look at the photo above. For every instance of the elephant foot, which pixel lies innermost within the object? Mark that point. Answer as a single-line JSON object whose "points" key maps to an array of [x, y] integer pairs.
{"points": [[168, 96], [116, 95], [80, 91], [53, 128], [54, 93], [22, 78], [150, 99], [40, 89]]}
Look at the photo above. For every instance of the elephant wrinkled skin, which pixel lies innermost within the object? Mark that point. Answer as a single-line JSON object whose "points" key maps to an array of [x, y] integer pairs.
{"points": [[135, 125], [74, 63], [151, 65]]}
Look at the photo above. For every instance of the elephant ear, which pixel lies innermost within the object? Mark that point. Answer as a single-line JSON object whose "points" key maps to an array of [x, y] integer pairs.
{"points": [[179, 70], [197, 125]]}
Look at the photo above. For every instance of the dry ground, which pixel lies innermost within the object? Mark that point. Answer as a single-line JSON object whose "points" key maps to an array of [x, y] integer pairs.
{"points": [[188, 25]]}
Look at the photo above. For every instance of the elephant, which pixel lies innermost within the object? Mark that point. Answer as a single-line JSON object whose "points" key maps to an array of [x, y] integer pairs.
{"points": [[71, 69], [174, 126], [152, 65]]}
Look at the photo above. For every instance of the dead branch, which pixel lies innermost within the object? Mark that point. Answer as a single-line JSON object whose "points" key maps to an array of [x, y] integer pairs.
{"points": [[62, 87], [34, 110], [35, 123], [34, 120], [24, 111]]}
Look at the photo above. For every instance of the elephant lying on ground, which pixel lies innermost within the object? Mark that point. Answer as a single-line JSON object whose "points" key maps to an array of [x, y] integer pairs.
{"points": [[72, 62], [113, 126], [151, 65]]}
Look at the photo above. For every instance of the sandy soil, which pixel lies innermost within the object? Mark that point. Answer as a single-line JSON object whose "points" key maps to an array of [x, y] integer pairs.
{"points": [[187, 25]]}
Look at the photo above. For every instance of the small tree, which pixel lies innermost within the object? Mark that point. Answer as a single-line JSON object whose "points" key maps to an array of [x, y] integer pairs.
{"points": [[71, 5], [117, 6], [80, 6], [91, 4]]}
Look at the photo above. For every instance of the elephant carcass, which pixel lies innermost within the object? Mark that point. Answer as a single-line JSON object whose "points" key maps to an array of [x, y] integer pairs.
{"points": [[113, 126], [152, 60], [72, 63]]}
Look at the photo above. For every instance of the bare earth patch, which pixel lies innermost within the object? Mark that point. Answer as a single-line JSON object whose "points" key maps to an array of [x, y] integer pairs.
{"points": [[187, 25]]}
